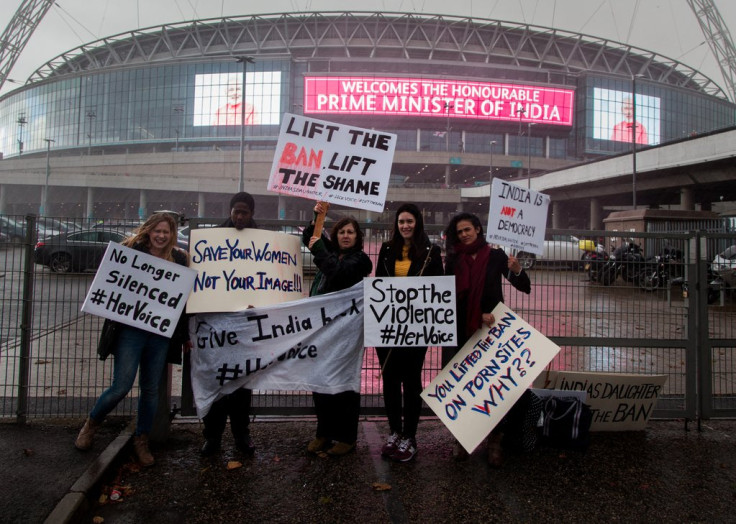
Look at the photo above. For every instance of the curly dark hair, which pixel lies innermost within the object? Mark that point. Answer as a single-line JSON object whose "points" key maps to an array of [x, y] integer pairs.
{"points": [[451, 231]]}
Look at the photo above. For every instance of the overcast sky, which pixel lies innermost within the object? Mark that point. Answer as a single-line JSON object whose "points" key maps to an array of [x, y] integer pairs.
{"points": [[667, 27]]}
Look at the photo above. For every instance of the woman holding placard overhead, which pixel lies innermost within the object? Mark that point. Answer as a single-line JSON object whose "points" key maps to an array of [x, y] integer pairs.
{"points": [[409, 253], [341, 263], [134, 348], [478, 269]]}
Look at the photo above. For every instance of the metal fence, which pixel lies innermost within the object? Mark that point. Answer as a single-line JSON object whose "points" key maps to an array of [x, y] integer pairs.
{"points": [[49, 368]]}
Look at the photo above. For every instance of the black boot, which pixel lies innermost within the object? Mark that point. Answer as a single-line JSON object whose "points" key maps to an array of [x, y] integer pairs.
{"points": [[210, 447]]}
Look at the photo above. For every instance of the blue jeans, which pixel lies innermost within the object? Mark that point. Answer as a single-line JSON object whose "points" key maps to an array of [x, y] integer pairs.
{"points": [[135, 347]]}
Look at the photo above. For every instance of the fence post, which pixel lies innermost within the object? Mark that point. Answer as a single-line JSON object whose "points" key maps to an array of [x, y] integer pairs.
{"points": [[26, 319]]}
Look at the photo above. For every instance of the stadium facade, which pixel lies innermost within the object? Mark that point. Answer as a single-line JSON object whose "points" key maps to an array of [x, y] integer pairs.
{"points": [[152, 118]]}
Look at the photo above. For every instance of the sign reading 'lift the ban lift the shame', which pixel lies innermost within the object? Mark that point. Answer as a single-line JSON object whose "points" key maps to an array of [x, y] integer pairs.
{"points": [[517, 218], [139, 290], [334, 163]]}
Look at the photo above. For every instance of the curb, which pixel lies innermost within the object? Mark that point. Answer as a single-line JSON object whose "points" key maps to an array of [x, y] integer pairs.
{"points": [[73, 502]]}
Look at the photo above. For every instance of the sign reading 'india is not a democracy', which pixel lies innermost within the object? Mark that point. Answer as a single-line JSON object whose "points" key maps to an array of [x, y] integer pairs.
{"points": [[331, 162], [239, 269], [517, 217], [139, 290], [487, 376]]}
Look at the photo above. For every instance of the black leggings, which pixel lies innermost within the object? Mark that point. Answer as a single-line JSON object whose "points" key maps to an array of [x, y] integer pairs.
{"points": [[402, 367]]}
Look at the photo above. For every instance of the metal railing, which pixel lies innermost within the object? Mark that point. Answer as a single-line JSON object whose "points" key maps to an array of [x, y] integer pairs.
{"points": [[49, 367]]}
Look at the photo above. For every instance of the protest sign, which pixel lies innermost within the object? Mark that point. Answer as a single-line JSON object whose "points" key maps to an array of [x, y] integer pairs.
{"points": [[618, 401], [312, 344], [488, 375], [410, 312], [238, 269], [139, 290], [517, 217], [331, 162]]}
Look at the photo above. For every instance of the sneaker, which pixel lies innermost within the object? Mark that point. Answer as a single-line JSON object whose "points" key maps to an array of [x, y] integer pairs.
{"points": [[406, 450], [392, 442], [317, 445]]}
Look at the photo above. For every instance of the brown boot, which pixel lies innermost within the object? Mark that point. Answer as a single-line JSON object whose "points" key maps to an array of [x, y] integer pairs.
{"points": [[140, 445], [86, 434]]}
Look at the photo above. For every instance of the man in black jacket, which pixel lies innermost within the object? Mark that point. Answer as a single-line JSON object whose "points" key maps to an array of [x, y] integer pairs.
{"points": [[236, 405]]}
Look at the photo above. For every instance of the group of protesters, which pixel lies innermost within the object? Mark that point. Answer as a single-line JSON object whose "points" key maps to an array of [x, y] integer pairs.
{"points": [[341, 261]]}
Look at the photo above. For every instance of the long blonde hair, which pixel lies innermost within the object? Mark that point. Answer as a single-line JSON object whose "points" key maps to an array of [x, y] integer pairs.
{"points": [[141, 234]]}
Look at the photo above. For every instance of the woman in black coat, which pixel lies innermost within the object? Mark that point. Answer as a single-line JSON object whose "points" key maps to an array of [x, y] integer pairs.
{"points": [[341, 263], [408, 253], [478, 269]]}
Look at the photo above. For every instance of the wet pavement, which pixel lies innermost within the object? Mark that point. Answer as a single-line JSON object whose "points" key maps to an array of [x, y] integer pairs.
{"points": [[671, 472]]}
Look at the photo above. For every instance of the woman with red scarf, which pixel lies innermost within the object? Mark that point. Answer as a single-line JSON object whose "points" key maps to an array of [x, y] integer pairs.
{"points": [[478, 269]]}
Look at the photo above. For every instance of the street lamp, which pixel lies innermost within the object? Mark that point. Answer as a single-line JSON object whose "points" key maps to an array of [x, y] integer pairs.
{"points": [[490, 170], [179, 110], [44, 197], [529, 155], [245, 60], [91, 115], [22, 121], [448, 106], [634, 129]]}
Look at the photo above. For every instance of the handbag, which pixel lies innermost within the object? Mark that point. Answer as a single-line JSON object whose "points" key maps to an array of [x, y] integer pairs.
{"points": [[520, 424], [108, 337], [566, 422]]}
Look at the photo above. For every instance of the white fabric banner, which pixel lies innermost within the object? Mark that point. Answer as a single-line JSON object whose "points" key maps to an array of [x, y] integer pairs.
{"points": [[313, 344]]}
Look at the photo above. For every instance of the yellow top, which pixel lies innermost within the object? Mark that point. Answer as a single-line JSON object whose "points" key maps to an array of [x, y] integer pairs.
{"points": [[401, 268]]}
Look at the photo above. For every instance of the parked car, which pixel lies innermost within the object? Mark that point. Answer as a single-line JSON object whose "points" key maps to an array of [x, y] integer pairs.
{"points": [[724, 266], [12, 229], [15, 230], [562, 249], [75, 251]]}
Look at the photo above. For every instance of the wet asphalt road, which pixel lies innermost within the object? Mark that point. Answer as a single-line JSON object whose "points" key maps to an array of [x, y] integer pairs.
{"points": [[664, 474]]}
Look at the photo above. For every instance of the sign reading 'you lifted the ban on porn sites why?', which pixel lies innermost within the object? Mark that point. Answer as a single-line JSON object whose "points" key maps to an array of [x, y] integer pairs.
{"points": [[333, 163], [139, 290], [488, 375], [238, 269], [518, 217], [409, 311]]}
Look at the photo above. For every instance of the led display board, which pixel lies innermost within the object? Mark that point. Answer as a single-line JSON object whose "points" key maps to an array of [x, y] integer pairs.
{"points": [[422, 97], [219, 100], [613, 117]]}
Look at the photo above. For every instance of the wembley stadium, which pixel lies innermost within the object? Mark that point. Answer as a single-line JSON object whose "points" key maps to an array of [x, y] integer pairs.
{"points": [[180, 116]]}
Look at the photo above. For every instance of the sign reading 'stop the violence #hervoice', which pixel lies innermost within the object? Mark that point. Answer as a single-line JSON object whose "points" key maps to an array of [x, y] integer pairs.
{"points": [[332, 162]]}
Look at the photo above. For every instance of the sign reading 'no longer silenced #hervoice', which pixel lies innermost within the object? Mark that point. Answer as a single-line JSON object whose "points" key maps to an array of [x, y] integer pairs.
{"points": [[139, 290], [331, 162], [409, 311], [488, 375]]}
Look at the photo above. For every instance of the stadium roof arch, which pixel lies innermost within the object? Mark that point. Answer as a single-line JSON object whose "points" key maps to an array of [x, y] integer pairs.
{"points": [[358, 37]]}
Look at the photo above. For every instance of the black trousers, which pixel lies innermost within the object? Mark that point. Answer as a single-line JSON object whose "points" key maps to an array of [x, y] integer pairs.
{"points": [[236, 405], [337, 415], [402, 370]]}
